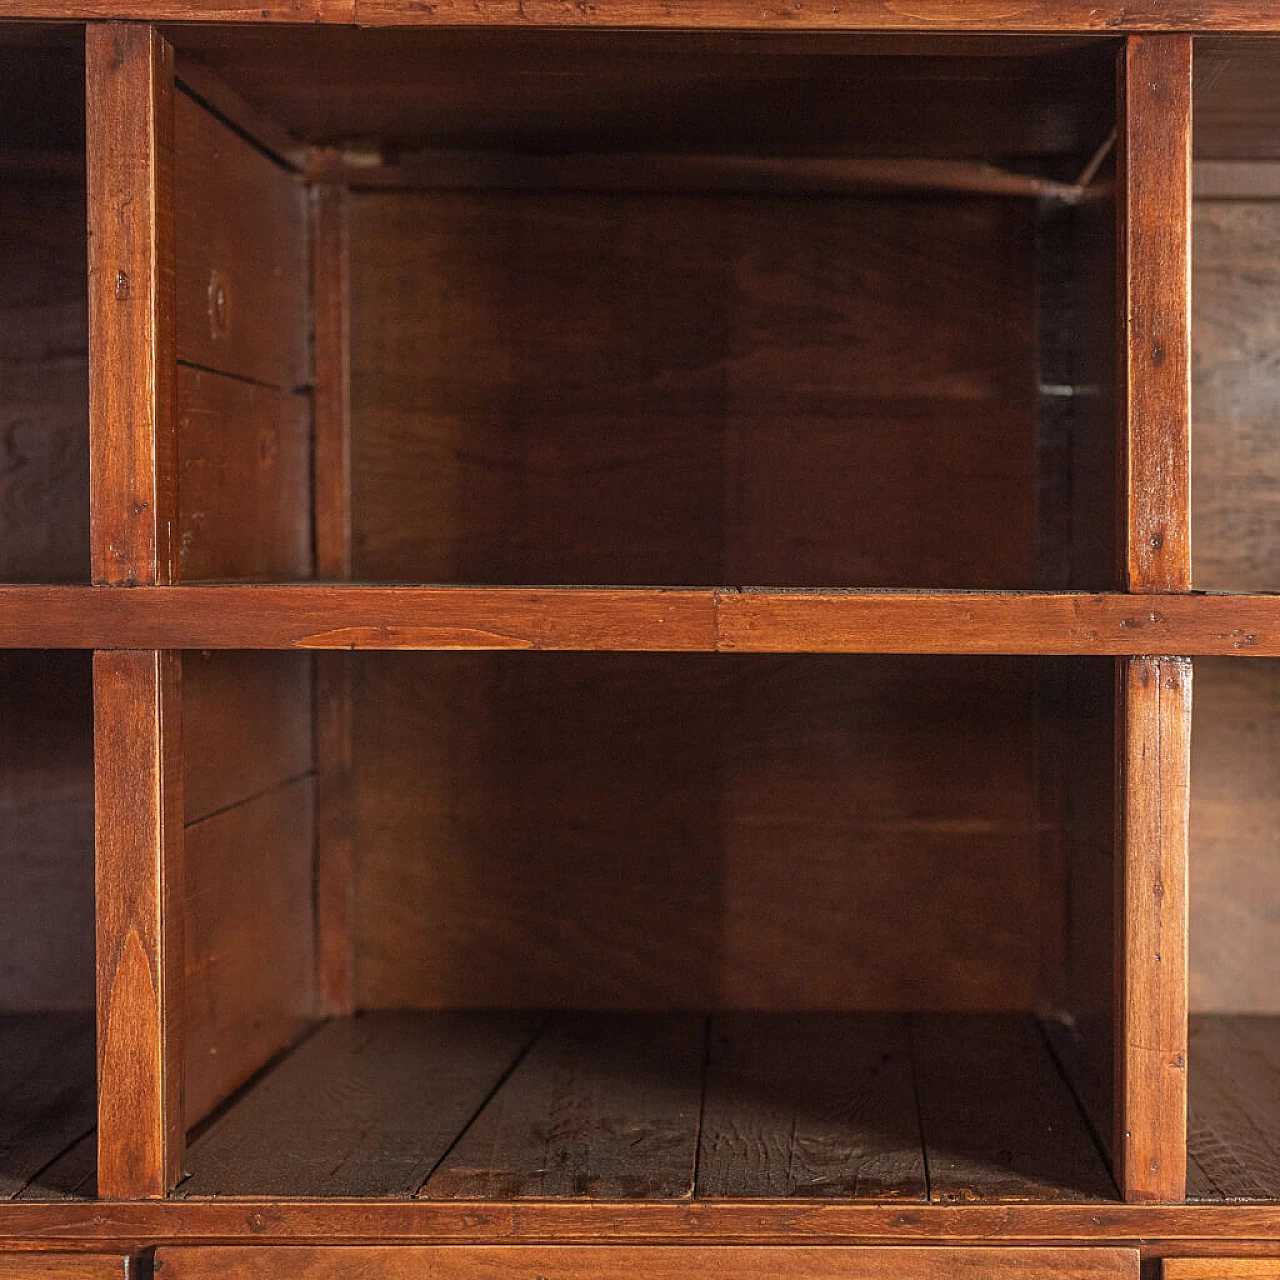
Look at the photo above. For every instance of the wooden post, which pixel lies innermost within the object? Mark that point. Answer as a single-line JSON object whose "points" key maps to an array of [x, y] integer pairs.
{"points": [[1153, 739], [1154, 749], [137, 695], [330, 248]]}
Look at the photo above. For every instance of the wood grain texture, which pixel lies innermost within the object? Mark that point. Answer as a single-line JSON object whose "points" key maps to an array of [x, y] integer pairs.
{"points": [[603, 832], [44, 369], [47, 1094], [63, 1266], [663, 410], [1237, 106], [1235, 839], [132, 391], [46, 831], [1220, 1268], [810, 1105], [246, 726], [1153, 762], [1155, 277], [364, 1107], [335, 853], [250, 941], [1233, 1130], [605, 1262], [603, 1106], [999, 1122], [140, 908], [1236, 469], [704, 620], [242, 262], [244, 481]]}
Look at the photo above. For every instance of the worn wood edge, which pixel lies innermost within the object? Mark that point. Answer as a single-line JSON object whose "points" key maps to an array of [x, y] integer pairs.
{"points": [[1030, 17], [1153, 208], [138, 876], [642, 173], [110, 1224], [309, 616], [1153, 737], [214, 94]]}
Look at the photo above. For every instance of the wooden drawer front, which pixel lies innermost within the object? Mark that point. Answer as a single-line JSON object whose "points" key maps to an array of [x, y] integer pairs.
{"points": [[1222, 1269], [591, 1262], [62, 1266]]}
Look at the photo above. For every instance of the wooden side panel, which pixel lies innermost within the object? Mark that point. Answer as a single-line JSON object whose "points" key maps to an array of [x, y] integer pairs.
{"points": [[1235, 489], [246, 726], [657, 1262], [604, 831], [249, 956], [659, 389], [1235, 838], [46, 831], [137, 714], [1155, 274], [244, 486], [132, 397], [44, 372], [242, 277], [1154, 734]]}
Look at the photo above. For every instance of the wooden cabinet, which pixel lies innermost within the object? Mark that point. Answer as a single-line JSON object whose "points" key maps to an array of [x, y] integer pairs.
{"points": [[639, 643]]}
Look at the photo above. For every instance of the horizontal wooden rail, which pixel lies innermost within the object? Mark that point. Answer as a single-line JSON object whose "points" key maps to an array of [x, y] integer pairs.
{"points": [[636, 619]]}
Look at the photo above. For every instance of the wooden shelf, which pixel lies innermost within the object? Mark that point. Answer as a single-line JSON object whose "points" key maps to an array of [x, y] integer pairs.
{"points": [[706, 619], [489, 1106], [47, 1106]]}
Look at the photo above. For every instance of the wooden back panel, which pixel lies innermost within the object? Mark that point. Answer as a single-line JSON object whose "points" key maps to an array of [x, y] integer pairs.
{"points": [[46, 704], [669, 389], [616, 831], [44, 358]]}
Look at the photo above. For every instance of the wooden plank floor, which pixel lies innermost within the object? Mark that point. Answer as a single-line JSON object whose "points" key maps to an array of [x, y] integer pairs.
{"points": [[1233, 1121], [47, 1105], [669, 1107]]}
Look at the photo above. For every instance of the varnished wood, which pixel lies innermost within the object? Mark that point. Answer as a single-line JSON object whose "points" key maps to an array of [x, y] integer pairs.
{"points": [[365, 1107], [250, 939], [605, 1262], [140, 855], [1221, 1268], [1154, 746], [63, 1266], [244, 484], [1159, 1229], [1155, 312], [132, 391], [240, 225], [360, 617]]}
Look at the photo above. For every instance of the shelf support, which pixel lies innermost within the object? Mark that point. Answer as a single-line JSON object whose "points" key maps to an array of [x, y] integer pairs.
{"points": [[137, 694]]}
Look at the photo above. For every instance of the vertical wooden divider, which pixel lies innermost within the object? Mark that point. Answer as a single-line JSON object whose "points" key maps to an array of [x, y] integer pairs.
{"points": [[137, 695], [1153, 735], [330, 249]]}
